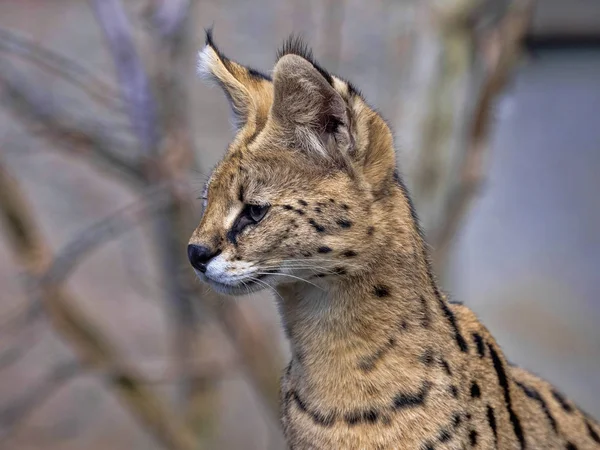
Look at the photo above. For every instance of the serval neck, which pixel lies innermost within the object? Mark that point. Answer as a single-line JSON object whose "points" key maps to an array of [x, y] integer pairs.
{"points": [[368, 333]]}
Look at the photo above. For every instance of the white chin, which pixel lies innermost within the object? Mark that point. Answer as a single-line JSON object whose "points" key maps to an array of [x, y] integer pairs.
{"points": [[248, 287], [239, 289]]}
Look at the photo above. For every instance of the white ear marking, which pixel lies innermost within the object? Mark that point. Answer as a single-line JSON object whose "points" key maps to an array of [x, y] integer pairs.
{"points": [[207, 58]]}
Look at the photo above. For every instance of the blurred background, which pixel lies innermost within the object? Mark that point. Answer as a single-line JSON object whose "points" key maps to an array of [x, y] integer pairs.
{"points": [[106, 139]]}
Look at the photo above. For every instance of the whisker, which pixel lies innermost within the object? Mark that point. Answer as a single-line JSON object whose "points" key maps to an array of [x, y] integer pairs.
{"points": [[291, 276], [256, 280]]}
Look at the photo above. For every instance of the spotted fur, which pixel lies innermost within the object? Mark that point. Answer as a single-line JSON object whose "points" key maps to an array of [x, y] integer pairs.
{"points": [[307, 202]]}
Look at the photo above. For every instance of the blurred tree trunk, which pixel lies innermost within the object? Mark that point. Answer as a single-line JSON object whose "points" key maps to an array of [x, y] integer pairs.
{"points": [[465, 53]]}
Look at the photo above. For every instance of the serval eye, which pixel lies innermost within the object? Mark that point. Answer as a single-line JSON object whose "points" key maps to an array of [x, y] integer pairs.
{"points": [[257, 212]]}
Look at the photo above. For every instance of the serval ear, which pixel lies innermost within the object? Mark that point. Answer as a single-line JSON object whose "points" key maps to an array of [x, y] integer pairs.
{"points": [[249, 92], [307, 108]]}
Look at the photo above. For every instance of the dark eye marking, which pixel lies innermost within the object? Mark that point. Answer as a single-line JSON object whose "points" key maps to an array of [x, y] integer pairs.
{"points": [[251, 214], [257, 212]]}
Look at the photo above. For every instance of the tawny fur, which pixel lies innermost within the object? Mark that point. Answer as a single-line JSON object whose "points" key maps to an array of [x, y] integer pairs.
{"points": [[381, 359]]}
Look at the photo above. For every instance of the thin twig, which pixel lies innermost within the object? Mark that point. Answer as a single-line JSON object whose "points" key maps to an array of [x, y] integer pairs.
{"points": [[35, 108], [130, 71], [70, 70], [507, 39], [151, 203], [86, 339]]}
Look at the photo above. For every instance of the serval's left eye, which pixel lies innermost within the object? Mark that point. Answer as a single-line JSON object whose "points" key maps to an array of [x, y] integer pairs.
{"points": [[257, 212]]}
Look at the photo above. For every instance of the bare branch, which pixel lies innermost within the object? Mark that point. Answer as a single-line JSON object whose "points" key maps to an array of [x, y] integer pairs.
{"points": [[500, 53], [134, 83], [41, 115], [153, 202], [20, 348], [66, 68], [453, 95], [81, 333]]}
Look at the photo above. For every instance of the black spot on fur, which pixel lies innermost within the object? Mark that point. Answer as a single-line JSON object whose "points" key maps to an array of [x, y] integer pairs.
{"points": [[367, 363], [324, 249], [349, 254], [352, 418], [294, 45], [299, 212], [453, 391], [325, 420], [570, 446], [475, 390], [460, 340], [339, 271], [456, 420], [355, 417], [318, 210], [592, 432], [444, 436], [491, 417], [446, 367], [473, 438], [478, 340], [241, 194], [316, 226], [331, 200], [302, 202], [288, 207], [428, 358], [412, 400], [533, 393], [503, 381], [346, 207], [427, 446], [381, 291], [344, 223], [562, 401], [370, 231]]}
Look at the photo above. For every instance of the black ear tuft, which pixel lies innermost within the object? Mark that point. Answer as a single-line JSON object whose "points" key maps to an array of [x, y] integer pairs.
{"points": [[209, 37], [295, 45], [211, 43]]}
